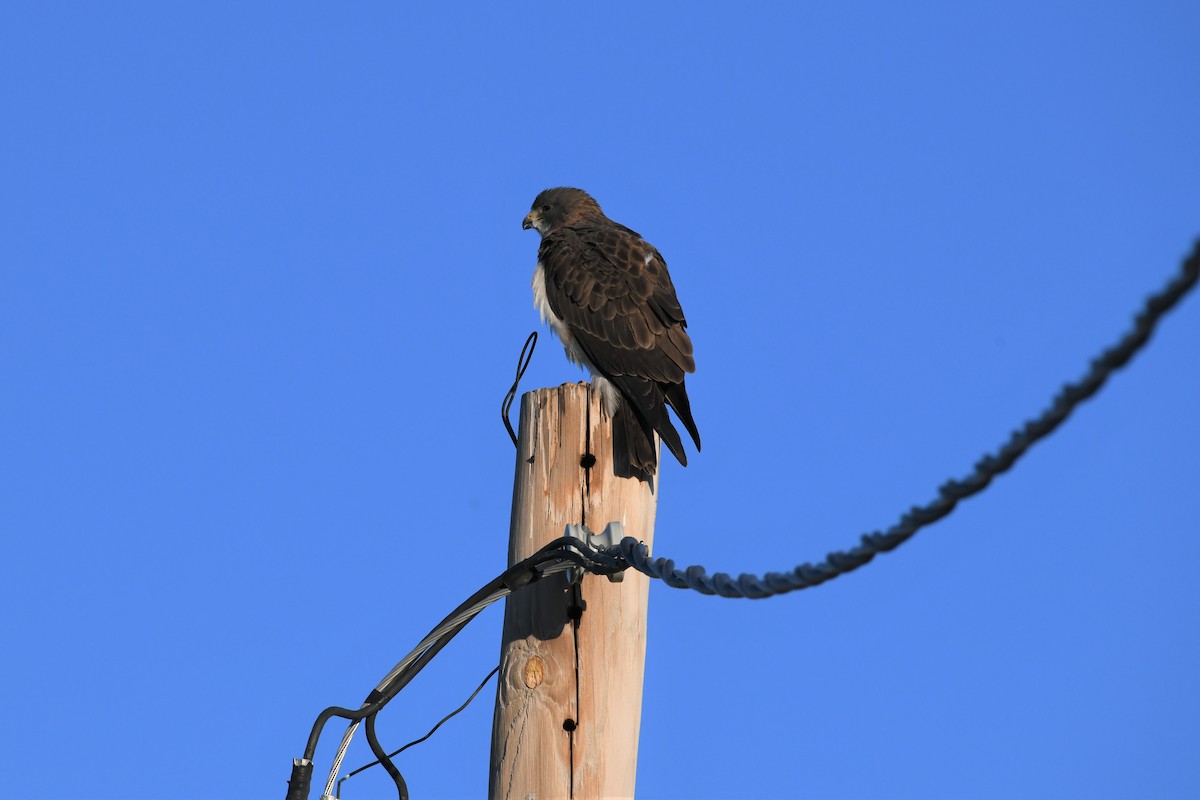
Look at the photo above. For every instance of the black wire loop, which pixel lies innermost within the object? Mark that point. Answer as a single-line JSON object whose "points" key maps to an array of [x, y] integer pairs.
{"points": [[522, 365]]}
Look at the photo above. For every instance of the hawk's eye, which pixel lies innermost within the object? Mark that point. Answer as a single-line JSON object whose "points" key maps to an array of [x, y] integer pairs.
{"points": [[545, 208]]}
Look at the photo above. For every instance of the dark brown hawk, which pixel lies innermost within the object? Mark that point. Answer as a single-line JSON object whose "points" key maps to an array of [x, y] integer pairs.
{"points": [[607, 295]]}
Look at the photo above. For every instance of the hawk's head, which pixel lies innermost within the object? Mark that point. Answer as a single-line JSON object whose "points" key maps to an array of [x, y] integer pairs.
{"points": [[554, 208]]}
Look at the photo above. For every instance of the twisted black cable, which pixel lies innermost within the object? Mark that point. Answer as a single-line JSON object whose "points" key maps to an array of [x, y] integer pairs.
{"points": [[949, 494], [630, 552]]}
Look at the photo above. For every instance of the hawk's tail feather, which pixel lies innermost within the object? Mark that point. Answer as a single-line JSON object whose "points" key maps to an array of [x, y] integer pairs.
{"points": [[633, 448], [676, 394], [648, 403], [670, 436]]}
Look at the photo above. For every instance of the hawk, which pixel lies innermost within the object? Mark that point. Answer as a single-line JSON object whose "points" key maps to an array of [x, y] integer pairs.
{"points": [[608, 297]]}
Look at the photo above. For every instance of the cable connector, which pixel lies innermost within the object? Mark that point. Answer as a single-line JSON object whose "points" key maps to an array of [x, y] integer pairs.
{"points": [[611, 536], [302, 770]]}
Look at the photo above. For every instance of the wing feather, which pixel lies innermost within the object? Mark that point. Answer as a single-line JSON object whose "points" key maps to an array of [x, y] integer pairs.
{"points": [[612, 289]]}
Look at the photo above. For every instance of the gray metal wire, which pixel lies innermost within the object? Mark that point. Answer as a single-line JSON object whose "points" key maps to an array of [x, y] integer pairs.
{"points": [[949, 494]]}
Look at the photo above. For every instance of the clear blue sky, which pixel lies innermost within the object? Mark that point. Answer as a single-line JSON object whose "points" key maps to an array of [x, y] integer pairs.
{"points": [[263, 285]]}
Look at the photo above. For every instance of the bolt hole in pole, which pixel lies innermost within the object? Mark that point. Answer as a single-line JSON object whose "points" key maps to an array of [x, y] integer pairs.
{"points": [[568, 725]]}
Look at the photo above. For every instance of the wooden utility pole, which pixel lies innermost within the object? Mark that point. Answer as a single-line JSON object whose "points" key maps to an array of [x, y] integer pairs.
{"points": [[569, 699]]}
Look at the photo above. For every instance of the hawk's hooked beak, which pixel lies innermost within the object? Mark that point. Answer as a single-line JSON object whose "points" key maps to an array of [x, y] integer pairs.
{"points": [[528, 223]]}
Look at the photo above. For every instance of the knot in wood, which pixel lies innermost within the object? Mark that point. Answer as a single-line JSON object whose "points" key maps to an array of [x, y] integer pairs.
{"points": [[535, 672]]}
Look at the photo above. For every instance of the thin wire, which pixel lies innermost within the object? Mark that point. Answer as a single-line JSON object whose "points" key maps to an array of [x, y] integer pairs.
{"points": [[949, 494], [432, 731], [555, 557], [522, 365], [380, 697]]}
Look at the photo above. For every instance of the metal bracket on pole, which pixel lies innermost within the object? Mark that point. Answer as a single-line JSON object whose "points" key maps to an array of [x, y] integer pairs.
{"points": [[612, 535]]}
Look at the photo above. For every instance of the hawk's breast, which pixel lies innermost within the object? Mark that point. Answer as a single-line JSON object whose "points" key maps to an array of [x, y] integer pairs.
{"points": [[542, 303]]}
